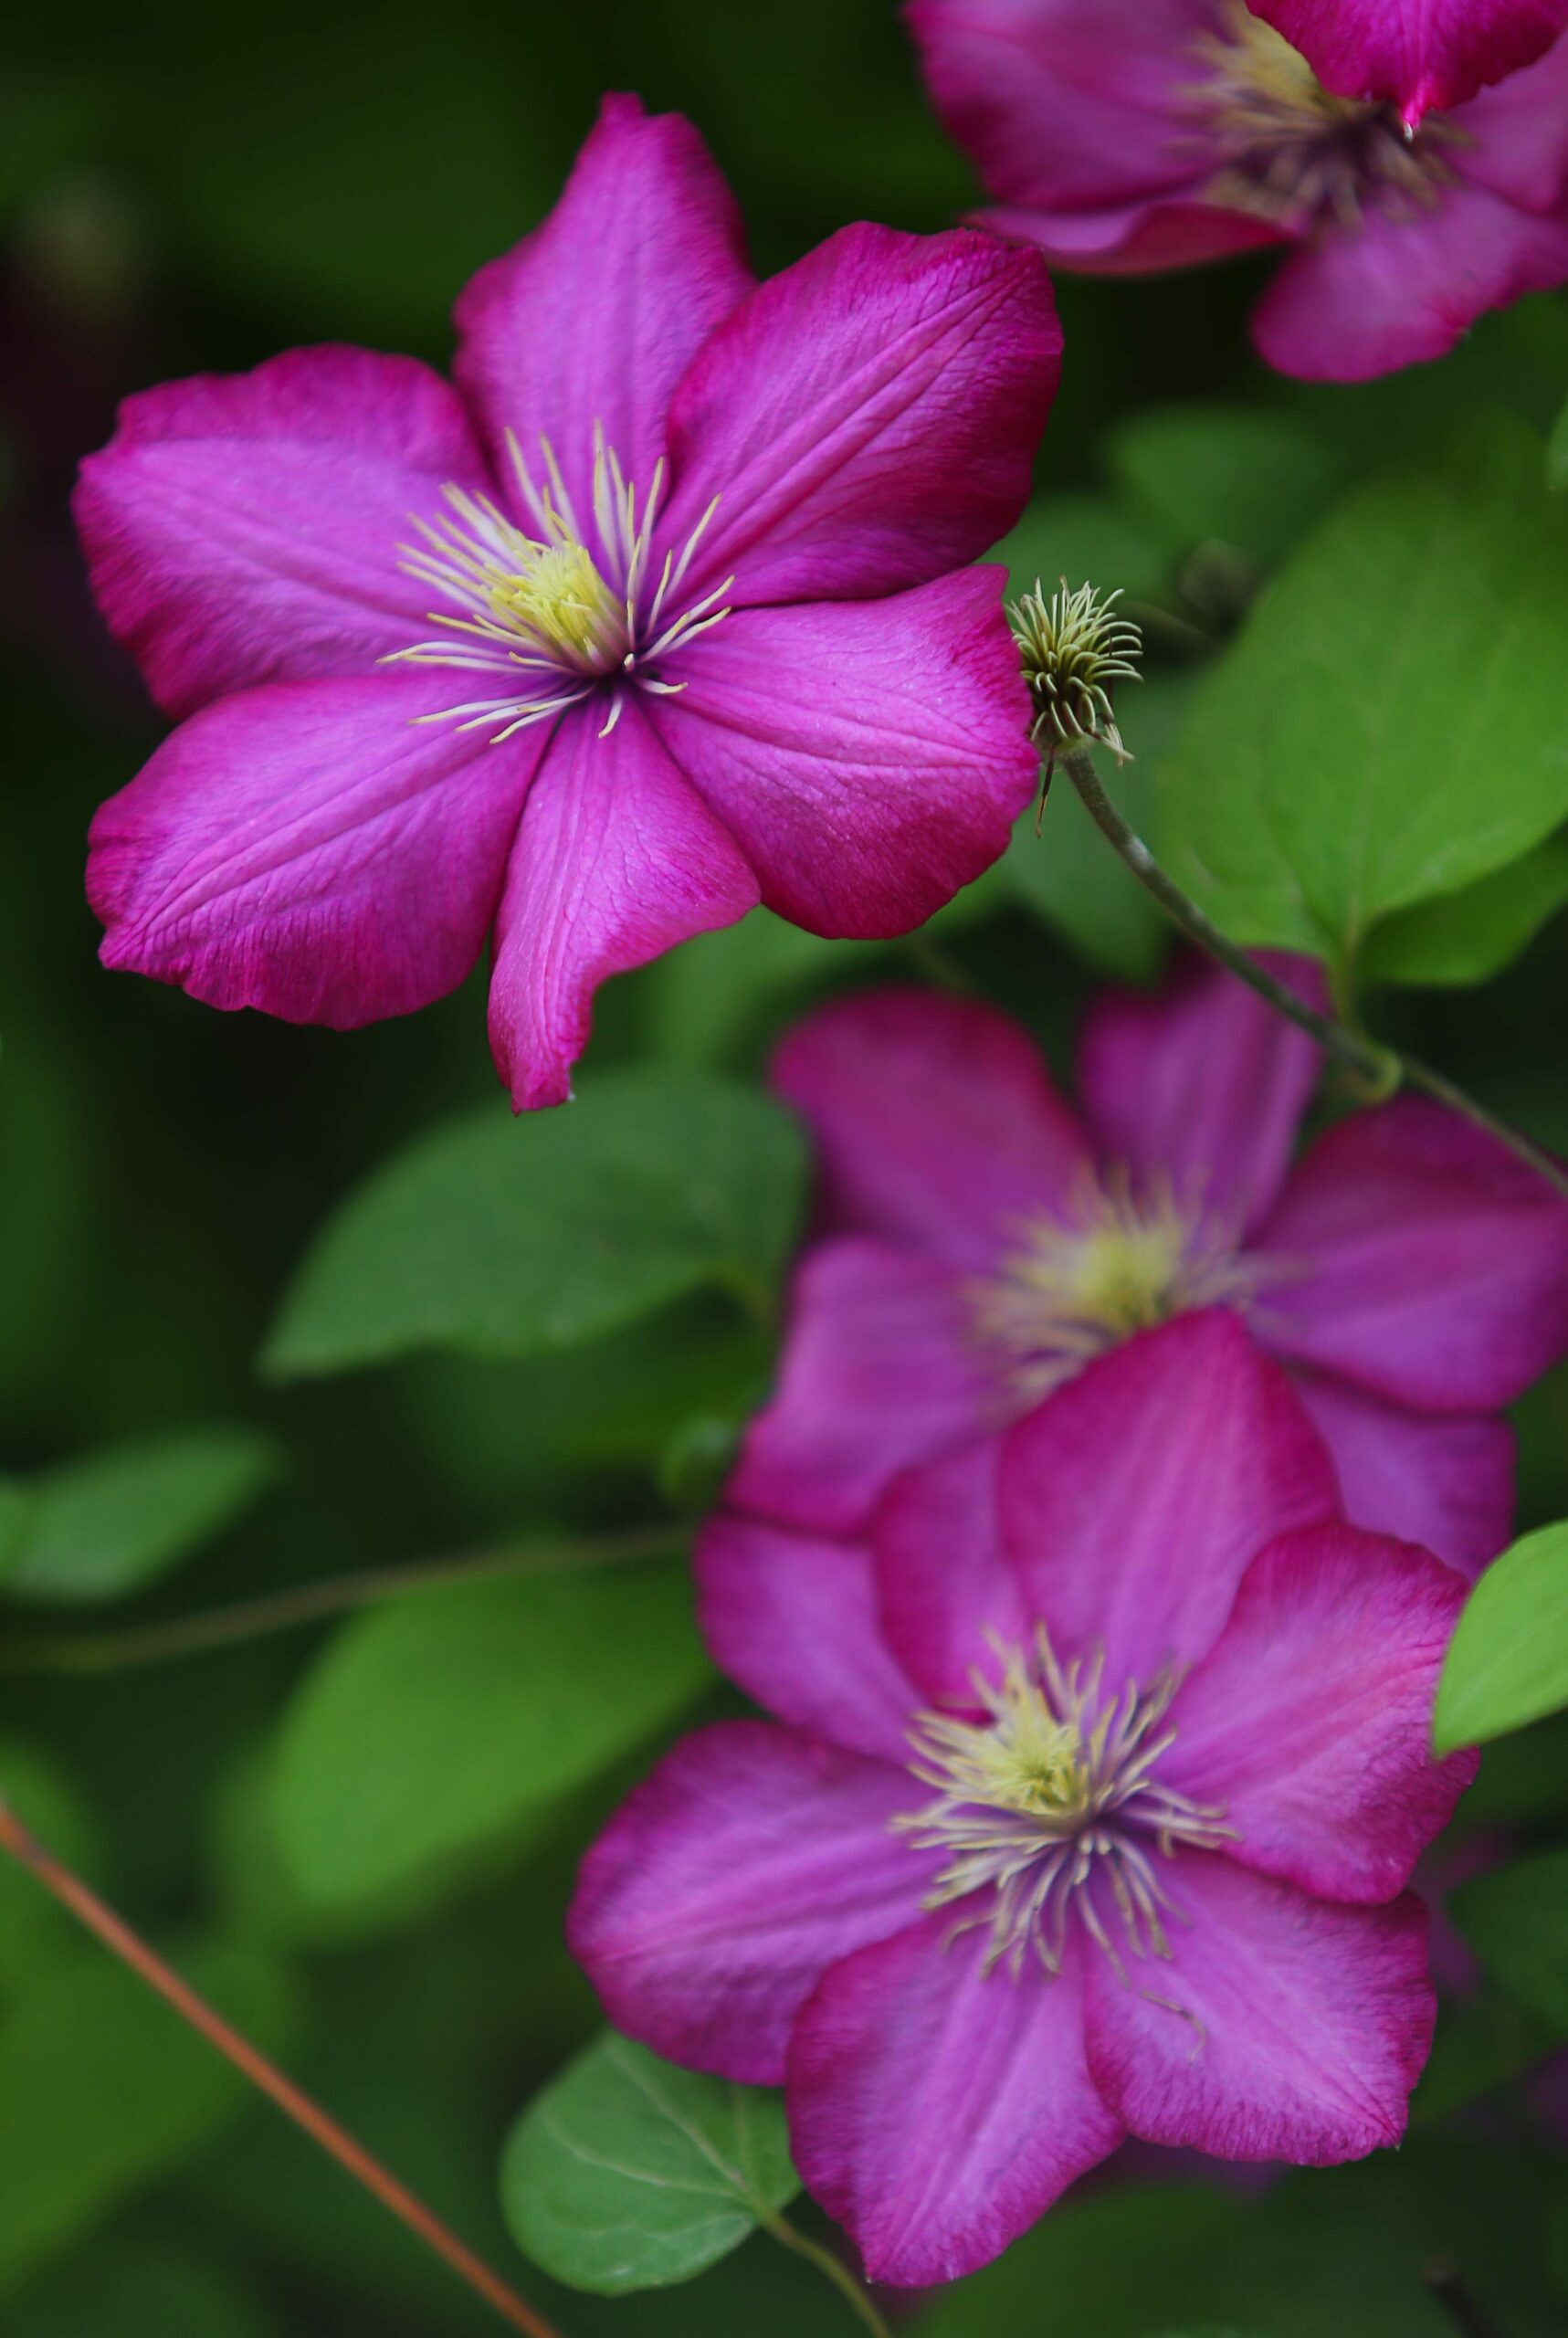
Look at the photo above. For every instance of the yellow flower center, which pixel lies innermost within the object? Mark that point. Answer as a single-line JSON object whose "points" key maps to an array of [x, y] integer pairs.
{"points": [[557, 595], [1023, 1759]]}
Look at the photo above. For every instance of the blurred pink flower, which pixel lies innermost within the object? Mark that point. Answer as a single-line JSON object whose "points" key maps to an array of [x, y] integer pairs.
{"points": [[1102, 1780], [665, 612], [1129, 135], [980, 1241], [1416, 54]]}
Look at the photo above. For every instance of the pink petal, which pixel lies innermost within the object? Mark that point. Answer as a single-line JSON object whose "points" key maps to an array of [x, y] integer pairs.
{"points": [[935, 2109], [593, 318], [312, 848], [949, 1590], [1134, 1498], [1434, 1266], [870, 757], [1515, 136], [1402, 290], [1133, 238], [616, 861], [793, 1618], [935, 1121], [1205, 1085], [1416, 54], [244, 528], [869, 419], [877, 1371], [1280, 2027], [1311, 1718], [1445, 1483], [722, 1890]]}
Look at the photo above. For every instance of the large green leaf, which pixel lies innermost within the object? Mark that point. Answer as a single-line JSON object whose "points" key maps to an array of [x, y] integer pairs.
{"points": [[130, 2288], [627, 2173], [1508, 1661], [508, 1238], [110, 1524], [442, 1727], [1392, 721], [1233, 475], [1516, 1919], [1470, 935]]}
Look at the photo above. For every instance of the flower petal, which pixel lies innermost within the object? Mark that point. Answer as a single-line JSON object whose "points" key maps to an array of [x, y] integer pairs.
{"points": [[1205, 1085], [1447, 1484], [1515, 136], [616, 861], [1134, 238], [1311, 1718], [1402, 290], [751, 1860], [869, 756], [936, 2109], [1435, 1264], [793, 1618], [948, 1587], [1416, 54], [878, 1372], [592, 319], [869, 419], [935, 1121], [1280, 2027], [312, 848], [1135, 1498], [245, 528]]}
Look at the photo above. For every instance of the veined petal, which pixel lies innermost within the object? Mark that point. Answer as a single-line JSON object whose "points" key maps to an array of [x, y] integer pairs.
{"points": [[244, 528], [870, 757], [1134, 238], [312, 848], [1515, 135], [936, 2109], [1310, 1721], [949, 1589], [751, 1860], [593, 318], [616, 861], [1446, 1483], [868, 418], [1416, 54]]}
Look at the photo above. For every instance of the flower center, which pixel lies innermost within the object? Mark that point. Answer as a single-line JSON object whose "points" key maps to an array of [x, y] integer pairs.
{"points": [[559, 600]]}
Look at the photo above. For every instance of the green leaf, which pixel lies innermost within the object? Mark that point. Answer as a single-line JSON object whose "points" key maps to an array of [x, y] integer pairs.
{"points": [[111, 1524], [1508, 1660], [1114, 2264], [627, 2173], [33, 1926], [1087, 539], [133, 2287], [1557, 452], [509, 1238], [1516, 1919], [1232, 475], [1470, 935], [103, 2091], [442, 1728], [1389, 725]]}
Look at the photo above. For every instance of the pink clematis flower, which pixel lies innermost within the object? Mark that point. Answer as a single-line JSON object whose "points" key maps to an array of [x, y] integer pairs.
{"points": [[1102, 1781], [1417, 54], [1129, 135], [665, 613], [980, 1241]]}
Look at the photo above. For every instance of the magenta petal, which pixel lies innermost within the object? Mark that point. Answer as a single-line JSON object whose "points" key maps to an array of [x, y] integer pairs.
{"points": [[1205, 1085], [877, 1371], [1135, 239], [870, 757], [720, 1891], [1402, 290], [1310, 1721], [593, 318], [1416, 54], [937, 2110], [1134, 1498], [1279, 2028], [311, 848], [1515, 135], [244, 528], [616, 861], [1433, 1264], [1445, 1483], [793, 1618], [935, 1121], [949, 1590], [869, 419]]}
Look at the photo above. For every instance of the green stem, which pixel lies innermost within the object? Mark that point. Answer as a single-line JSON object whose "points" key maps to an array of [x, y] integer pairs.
{"points": [[310, 1603], [1380, 1071], [833, 2267]]}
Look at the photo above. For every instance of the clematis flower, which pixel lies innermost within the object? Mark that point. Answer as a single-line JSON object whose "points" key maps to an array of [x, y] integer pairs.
{"points": [[980, 1241], [1416, 54], [1120, 136], [663, 611], [1101, 1782]]}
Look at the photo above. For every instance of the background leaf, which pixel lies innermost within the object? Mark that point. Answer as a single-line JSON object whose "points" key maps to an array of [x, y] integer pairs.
{"points": [[1508, 1660], [1516, 1919], [114, 1522], [1469, 936]]}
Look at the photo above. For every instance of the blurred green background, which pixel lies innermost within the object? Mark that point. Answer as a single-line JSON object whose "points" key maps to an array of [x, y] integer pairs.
{"points": [[185, 189]]}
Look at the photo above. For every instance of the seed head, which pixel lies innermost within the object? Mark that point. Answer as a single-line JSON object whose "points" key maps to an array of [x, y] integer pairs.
{"points": [[1075, 651]]}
